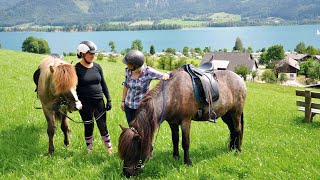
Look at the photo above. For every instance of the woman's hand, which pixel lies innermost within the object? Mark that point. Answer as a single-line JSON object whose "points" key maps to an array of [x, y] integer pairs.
{"points": [[122, 105], [166, 76]]}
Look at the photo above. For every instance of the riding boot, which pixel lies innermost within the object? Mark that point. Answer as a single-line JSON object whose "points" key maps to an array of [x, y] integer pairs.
{"points": [[89, 143], [107, 143]]}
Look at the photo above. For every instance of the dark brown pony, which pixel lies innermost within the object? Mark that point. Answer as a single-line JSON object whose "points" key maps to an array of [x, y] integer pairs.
{"points": [[56, 90], [135, 142]]}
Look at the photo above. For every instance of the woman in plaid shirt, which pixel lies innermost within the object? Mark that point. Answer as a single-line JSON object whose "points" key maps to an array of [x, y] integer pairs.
{"points": [[137, 82]]}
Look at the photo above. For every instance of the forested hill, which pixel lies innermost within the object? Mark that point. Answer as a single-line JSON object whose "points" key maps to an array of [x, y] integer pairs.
{"points": [[75, 12]]}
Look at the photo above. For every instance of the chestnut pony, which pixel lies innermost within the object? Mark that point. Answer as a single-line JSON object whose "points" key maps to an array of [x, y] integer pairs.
{"points": [[56, 90], [175, 101]]}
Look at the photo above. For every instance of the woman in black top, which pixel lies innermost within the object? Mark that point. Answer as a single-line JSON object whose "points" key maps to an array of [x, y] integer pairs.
{"points": [[91, 89]]}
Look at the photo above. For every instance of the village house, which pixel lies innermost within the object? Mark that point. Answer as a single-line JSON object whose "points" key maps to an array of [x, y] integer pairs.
{"points": [[288, 66], [231, 60]]}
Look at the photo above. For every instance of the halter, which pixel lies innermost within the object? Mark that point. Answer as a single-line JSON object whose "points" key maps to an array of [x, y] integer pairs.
{"points": [[140, 164]]}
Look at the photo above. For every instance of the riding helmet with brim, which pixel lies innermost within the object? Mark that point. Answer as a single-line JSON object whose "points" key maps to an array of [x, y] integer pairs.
{"points": [[134, 57], [85, 47]]}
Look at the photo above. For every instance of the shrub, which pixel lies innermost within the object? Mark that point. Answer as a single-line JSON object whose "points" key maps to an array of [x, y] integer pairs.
{"points": [[283, 78], [112, 59], [72, 54], [150, 61], [268, 76], [100, 57], [243, 71]]}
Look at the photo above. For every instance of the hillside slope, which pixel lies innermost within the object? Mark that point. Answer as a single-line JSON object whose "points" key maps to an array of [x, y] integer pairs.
{"points": [[65, 12]]}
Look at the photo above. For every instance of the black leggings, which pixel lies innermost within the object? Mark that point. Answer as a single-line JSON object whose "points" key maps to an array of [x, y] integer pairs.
{"points": [[130, 113], [94, 108]]}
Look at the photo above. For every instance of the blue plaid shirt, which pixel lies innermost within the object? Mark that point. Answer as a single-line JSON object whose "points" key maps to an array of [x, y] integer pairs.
{"points": [[138, 88]]}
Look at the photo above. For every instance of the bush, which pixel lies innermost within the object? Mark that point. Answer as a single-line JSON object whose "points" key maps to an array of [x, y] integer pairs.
{"points": [[243, 71], [112, 59], [35, 45], [150, 62], [72, 54], [100, 57], [268, 76], [283, 78]]}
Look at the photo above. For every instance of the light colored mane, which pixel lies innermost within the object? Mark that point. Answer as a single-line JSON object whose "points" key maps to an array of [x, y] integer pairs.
{"points": [[64, 76]]}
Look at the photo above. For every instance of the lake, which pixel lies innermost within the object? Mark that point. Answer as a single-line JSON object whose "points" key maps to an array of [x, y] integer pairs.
{"points": [[257, 37]]}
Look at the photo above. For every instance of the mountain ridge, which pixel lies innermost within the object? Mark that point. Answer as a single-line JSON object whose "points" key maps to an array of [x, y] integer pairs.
{"points": [[77, 12]]}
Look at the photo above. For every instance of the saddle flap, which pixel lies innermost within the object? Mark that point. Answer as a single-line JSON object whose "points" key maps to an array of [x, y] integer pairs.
{"points": [[210, 87]]}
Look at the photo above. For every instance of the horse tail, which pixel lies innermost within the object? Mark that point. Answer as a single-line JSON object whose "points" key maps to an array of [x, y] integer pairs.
{"points": [[242, 124]]}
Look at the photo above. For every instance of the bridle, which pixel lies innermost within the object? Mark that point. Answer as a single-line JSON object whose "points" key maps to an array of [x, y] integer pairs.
{"points": [[64, 102]]}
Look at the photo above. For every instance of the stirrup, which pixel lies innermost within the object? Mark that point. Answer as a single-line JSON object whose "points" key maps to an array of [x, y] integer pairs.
{"points": [[213, 120]]}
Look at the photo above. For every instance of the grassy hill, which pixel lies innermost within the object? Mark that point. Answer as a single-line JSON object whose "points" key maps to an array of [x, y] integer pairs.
{"points": [[277, 144]]}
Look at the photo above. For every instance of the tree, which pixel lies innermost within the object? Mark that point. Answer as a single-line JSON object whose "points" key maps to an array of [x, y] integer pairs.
{"points": [[249, 50], [238, 46], [275, 53], [300, 48], [254, 74], [207, 49], [152, 50], [137, 45], [185, 51], [170, 50], [242, 70], [112, 46], [198, 50], [0, 45], [311, 50], [43, 46], [35, 45]]}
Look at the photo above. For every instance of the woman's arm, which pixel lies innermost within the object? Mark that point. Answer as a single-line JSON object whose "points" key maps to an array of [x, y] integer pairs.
{"points": [[124, 95]]}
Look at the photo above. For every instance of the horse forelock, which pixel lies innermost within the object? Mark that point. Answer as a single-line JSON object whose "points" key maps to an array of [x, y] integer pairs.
{"points": [[127, 150], [64, 78]]}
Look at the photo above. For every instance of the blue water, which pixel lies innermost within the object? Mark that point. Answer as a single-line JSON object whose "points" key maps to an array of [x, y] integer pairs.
{"points": [[257, 37]]}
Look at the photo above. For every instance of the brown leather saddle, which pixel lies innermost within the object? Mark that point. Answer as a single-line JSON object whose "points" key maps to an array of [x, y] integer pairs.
{"points": [[205, 89]]}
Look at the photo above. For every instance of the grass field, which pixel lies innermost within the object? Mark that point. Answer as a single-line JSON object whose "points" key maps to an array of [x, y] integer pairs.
{"points": [[183, 23], [277, 144]]}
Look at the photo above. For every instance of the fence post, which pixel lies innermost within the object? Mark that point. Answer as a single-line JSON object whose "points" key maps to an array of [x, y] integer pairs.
{"points": [[308, 114]]}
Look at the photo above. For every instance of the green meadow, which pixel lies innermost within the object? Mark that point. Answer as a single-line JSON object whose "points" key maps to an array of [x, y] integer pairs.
{"points": [[277, 143]]}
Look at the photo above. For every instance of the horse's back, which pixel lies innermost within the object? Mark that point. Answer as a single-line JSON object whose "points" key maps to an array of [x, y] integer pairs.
{"points": [[232, 89]]}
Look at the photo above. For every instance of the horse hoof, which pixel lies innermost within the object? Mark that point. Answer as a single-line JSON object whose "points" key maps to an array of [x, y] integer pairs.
{"points": [[176, 157], [188, 163]]}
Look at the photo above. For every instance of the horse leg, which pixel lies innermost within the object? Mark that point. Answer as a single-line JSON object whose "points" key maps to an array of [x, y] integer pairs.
{"points": [[175, 140], [185, 126], [235, 125], [65, 128], [50, 130]]}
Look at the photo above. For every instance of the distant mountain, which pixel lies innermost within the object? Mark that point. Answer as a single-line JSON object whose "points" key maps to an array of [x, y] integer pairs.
{"points": [[77, 12]]}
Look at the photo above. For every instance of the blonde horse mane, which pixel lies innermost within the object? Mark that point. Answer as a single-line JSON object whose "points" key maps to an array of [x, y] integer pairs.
{"points": [[63, 75]]}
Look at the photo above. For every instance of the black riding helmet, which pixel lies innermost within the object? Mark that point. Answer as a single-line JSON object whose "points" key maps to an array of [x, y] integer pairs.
{"points": [[134, 57], [86, 46]]}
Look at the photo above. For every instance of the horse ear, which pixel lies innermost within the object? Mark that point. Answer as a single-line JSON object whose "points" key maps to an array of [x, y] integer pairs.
{"points": [[122, 128], [51, 69]]}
